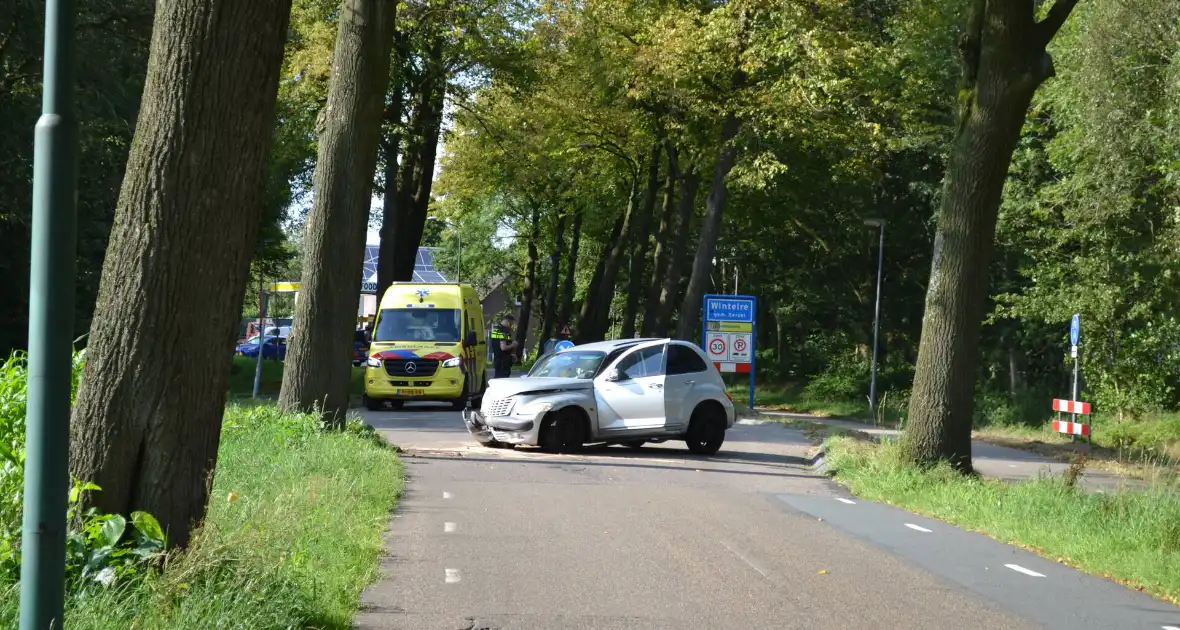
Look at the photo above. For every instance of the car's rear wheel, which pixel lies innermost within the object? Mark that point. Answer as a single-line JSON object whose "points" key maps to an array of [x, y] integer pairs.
{"points": [[706, 430], [563, 431]]}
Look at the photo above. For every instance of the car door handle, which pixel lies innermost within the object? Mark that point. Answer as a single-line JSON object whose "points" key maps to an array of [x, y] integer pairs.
{"points": [[656, 386], [690, 383]]}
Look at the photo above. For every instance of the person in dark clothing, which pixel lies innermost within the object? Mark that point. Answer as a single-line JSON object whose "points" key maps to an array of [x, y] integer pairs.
{"points": [[503, 347]]}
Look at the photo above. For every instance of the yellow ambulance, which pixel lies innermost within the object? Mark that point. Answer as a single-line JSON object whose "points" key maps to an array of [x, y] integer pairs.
{"points": [[427, 344]]}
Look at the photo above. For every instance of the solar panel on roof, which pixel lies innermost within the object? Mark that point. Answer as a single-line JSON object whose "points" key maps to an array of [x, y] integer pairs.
{"points": [[424, 270]]}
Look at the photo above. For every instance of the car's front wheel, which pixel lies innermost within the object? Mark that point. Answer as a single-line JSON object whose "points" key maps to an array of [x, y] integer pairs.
{"points": [[563, 431], [706, 430], [372, 404]]}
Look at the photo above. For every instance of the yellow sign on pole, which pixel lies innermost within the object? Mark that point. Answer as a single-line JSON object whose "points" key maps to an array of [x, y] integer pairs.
{"points": [[737, 327], [284, 287]]}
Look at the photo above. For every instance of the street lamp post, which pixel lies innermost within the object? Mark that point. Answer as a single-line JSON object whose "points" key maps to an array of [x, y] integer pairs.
{"points": [[876, 313], [262, 300], [51, 323]]}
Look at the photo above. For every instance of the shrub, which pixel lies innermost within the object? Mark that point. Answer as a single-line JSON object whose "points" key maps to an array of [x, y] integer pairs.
{"points": [[100, 548]]}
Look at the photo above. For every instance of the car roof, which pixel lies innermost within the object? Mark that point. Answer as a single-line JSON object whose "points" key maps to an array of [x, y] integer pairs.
{"points": [[614, 344]]}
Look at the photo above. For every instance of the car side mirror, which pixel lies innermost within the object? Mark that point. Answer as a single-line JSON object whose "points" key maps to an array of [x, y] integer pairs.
{"points": [[470, 340], [614, 376]]}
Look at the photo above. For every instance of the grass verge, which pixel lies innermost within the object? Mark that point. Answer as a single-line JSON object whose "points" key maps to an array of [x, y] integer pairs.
{"points": [[293, 533], [241, 378], [792, 398], [1130, 537]]}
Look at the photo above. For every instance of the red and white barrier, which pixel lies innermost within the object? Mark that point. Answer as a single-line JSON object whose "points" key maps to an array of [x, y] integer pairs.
{"points": [[1072, 428], [1071, 406]]}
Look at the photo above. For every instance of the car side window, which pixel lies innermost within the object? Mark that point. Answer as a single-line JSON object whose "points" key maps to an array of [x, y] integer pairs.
{"points": [[646, 362], [683, 360]]}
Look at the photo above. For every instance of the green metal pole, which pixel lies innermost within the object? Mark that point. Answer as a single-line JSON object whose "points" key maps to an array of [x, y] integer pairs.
{"points": [[51, 323], [261, 336]]}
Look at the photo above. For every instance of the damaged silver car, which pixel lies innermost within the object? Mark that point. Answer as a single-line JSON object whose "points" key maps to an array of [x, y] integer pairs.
{"points": [[631, 392]]}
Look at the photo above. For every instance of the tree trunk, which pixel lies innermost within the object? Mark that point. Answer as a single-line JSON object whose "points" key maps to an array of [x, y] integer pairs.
{"points": [[317, 369], [710, 230], [589, 316], [417, 176], [677, 252], [618, 249], [530, 280], [639, 245], [659, 263], [391, 147], [147, 422], [550, 300], [567, 289], [1004, 61]]}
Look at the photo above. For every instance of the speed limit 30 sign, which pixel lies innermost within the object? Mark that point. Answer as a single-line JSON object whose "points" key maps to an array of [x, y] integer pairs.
{"points": [[717, 345]]}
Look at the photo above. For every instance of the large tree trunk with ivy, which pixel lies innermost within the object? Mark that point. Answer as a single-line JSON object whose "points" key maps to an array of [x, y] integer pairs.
{"points": [[587, 328], [391, 143], [1004, 62], [702, 265], [571, 268], [417, 171], [659, 262], [554, 280], [616, 250], [530, 280], [640, 242], [678, 259], [317, 368], [147, 422]]}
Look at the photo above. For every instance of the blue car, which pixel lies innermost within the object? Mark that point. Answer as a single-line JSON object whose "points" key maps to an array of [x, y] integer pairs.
{"points": [[275, 348]]}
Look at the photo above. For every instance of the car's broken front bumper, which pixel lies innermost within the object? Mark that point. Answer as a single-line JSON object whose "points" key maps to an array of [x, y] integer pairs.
{"points": [[477, 427], [504, 430]]}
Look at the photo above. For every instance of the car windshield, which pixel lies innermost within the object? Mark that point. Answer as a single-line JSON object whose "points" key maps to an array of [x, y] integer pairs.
{"points": [[570, 364], [418, 324]]}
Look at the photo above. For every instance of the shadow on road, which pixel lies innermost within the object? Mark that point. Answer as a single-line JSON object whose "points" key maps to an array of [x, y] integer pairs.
{"points": [[620, 463]]}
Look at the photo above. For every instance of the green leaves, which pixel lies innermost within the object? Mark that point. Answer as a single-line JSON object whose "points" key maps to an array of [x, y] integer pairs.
{"points": [[148, 527]]}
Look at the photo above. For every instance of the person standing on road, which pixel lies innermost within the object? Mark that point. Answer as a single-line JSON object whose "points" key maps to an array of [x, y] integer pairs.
{"points": [[503, 347]]}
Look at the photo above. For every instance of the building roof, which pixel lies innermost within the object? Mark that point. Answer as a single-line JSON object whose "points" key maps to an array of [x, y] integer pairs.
{"points": [[424, 270]]}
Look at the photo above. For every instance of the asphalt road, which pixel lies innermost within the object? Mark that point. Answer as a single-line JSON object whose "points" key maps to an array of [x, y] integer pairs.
{"points": [[660, 538]]}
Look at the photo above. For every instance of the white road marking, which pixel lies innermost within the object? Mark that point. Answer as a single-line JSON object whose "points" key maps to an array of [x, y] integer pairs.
{"points": [[452, 576], [1020, 569], [449, 527], [1171, 628], [917, 528], [447, 495], [843, 500], [739, 556]]}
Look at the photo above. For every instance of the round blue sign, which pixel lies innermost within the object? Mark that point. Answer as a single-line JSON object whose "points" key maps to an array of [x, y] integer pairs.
{"points": [[1075, 330], [564, 344]]}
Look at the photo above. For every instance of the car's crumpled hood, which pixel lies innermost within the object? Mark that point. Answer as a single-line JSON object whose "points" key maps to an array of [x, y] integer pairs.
{"points": [[504, 387]]}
